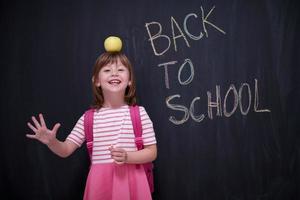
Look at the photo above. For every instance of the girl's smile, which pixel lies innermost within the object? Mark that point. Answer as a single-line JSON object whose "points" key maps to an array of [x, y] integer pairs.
{"points": [[115, 82]]}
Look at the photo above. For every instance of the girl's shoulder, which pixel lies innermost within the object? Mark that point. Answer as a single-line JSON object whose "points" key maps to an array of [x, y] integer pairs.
{"points": [[141, 108], [143, 111]]}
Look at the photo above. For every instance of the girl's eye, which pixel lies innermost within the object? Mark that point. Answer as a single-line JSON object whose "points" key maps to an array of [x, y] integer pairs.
{"points": [[121, 70], [106, 70]]}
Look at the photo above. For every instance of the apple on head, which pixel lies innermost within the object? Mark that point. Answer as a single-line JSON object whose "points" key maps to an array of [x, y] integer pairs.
{"points": [[113, 44]]}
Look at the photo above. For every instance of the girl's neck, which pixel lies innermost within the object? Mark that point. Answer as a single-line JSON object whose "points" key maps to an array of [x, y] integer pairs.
{"points": [[113, 101]]}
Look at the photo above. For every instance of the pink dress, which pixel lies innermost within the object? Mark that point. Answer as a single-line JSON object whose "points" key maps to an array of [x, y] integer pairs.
{"points": [[106, 179], [117, 182]]}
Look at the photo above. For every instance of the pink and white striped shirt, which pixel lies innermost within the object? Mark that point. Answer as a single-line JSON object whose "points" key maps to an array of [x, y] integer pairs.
{"points": [[113, 127]]}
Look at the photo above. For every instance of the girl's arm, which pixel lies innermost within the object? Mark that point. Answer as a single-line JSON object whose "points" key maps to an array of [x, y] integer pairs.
{"points": [[148, 154], [48, 137], [62, 149]]}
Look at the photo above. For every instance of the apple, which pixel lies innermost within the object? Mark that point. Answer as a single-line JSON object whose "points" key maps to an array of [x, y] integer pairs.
{"points": [[113, 44]]}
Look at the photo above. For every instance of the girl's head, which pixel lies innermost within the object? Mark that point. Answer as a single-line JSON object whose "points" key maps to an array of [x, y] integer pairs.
{"points": [[113, 72]]}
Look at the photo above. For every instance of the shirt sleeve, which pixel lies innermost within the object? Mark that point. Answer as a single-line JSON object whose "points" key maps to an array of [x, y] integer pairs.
{"points": [[147, 126], [77, 134]]}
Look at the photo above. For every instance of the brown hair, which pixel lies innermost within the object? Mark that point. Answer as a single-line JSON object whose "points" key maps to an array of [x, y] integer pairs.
{"points": [[104, 59]]}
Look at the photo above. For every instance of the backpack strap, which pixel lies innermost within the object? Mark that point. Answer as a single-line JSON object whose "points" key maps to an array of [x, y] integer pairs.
{"points": [[88, 130], [137, 126]]}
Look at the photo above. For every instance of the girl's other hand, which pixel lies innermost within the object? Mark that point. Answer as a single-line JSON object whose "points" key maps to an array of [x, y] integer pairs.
{"points": [[119, 155], [41, 132]]}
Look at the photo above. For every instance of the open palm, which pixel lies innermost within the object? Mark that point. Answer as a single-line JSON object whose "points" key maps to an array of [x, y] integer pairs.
{"points": [[41, 132]]}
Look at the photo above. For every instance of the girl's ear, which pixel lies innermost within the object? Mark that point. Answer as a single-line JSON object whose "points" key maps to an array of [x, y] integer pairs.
{"points": [[129, 83], [96, 82]]}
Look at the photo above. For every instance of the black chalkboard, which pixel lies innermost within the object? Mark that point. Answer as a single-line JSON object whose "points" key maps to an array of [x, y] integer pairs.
{"points": [[219, 80]]}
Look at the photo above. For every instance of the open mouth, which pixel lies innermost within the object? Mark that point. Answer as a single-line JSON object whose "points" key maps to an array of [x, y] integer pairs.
{"points": [[114, 82]]}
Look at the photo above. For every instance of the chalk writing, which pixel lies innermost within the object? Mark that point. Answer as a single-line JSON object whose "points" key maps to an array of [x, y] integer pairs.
{"points": [[221, 109], [182, 82], [217, 105], [165, 65], [190, 79], [150, 26]]}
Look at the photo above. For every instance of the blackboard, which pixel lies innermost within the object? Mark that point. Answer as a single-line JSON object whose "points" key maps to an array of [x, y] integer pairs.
{"points": [[219, 80]]}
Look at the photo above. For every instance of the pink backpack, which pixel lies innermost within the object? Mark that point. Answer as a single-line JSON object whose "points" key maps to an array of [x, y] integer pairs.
{"points": [[137, 127]]}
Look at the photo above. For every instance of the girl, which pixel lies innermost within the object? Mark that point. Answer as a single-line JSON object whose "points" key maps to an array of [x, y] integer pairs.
{"points": [[113, 173]]}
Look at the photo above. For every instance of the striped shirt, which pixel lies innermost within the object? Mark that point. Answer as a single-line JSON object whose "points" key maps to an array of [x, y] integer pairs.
{"points": [[113, 127]]}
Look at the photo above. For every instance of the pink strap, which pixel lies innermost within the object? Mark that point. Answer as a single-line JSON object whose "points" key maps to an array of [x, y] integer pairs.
{"points": [[137, 126], [88, 130]]}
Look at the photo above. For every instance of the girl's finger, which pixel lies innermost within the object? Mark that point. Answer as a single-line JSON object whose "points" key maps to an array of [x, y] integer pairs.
{"points": [[111, 147], [36, 123], [43, 123], [31, 136], [119, 162], [118, 159], [31, 127], [118, 150], [56, 127], [117, 154]]}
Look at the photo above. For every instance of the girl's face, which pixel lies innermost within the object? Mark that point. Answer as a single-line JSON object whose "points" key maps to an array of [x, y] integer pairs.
{"points": [[113, 78]]}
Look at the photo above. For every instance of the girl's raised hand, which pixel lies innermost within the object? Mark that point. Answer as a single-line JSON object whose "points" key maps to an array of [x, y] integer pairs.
{"points": [[41, 132]]}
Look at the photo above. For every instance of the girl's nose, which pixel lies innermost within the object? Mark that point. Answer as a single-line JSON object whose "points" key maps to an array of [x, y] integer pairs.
{"points": [[114, 72]]}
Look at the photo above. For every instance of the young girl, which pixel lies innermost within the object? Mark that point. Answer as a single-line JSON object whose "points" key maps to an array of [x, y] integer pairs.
{"points": [[113, 173]]}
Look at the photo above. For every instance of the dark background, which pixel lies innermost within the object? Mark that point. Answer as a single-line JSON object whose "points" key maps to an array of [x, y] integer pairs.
{"points": [[48, 49]]}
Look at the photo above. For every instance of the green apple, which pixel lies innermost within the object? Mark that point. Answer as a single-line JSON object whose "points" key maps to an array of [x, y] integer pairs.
{"points": [[113, 44]]}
